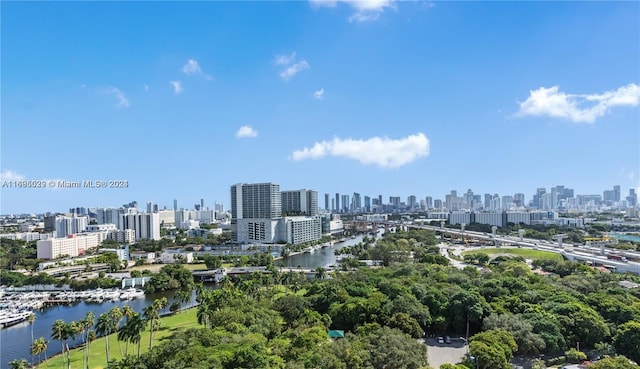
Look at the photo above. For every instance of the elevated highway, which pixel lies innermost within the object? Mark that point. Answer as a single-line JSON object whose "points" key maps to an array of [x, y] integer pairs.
{"points": [[592, 255]]}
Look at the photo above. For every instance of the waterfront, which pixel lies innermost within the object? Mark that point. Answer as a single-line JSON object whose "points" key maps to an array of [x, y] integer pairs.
{"points": [[16, 340]]}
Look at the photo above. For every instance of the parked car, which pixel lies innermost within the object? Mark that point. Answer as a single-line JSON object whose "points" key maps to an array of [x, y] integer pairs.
{"points": [[440, 340], [447, 340]]}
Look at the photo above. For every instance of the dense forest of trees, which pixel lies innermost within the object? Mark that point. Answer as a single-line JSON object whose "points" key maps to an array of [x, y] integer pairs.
{"points": [[278, 321]]}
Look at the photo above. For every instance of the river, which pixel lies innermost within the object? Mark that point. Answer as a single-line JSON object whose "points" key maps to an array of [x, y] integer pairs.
{"points": [[15, 341]]}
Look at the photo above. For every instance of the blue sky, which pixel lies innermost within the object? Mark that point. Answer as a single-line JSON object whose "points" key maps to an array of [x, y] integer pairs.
{"points": [[393, 98]]}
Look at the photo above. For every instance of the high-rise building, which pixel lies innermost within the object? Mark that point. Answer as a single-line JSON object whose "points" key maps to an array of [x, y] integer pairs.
{"points": [[356, 202], [345, 203], [412, 202], [632, 199], [337, 207], [326, 202], [537, 198], [394, 201], [428, 202], [146, 225], [149, 207], [367, 204], [437, 204], [518, 199], [468, 199], [616, 193], [65, 225], [257, 200], [175, 204], [300, 202]]}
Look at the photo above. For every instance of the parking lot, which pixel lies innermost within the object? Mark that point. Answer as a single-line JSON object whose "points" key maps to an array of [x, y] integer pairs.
{"points": [[441, 353]]}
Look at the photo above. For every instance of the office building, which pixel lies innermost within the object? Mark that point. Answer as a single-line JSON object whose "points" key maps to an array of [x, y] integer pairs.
{"points": [[337, 207], [326, 202]]}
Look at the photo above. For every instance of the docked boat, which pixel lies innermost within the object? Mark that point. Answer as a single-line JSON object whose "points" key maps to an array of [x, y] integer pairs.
{"points": [[9, 318], [131, 293]]}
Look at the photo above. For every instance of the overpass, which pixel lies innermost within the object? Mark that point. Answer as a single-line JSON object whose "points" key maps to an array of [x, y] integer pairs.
{"points": [[585, 253]]}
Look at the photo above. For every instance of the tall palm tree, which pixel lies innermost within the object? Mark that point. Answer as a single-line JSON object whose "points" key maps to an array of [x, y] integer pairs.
{"points": [[58, 333], [104, 327], [38, 347], [204, 315], [31, 319], [128, 313], [116, 314], [131, 332], [152, 314], [71, 331], [84, 326]]}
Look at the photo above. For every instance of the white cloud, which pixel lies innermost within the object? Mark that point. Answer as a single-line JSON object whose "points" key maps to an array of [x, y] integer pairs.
{"points": [[10, 175], [177, 87], [294, 69], [285, 59], [122, 100], [380, 151], [192, 68], [552, 102], [246, 131], [364, 10], [319, 95]]}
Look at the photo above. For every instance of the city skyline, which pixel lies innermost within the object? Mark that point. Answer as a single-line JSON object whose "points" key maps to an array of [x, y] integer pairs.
{"points": [[392, 98], [386, 199]]}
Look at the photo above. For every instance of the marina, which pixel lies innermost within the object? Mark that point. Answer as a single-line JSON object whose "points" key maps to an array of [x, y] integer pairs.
{"points": [[73, 305]]}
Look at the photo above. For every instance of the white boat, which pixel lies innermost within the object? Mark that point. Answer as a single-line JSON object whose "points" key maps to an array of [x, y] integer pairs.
{"points": [[131, 293], [9, 318]]}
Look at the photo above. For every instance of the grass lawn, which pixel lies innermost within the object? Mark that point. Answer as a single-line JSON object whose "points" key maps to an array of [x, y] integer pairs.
{"points": [[156, 267], [524, 252], [97, 353]]}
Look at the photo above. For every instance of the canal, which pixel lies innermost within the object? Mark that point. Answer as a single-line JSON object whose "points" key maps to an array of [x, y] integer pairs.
{"points": [[15, 341]]}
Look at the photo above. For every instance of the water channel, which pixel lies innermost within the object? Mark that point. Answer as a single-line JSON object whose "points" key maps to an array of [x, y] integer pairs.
{"points": [[15, 341]]}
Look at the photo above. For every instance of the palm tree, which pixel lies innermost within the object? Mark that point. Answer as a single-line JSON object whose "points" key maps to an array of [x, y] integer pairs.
{"points": [[71, 330], [321, 273], [204, 315], [58, 333], [38, 347], [151, 314], [31, 319], [104, 327], [116, 314], [132, 330], [18, 364], [83, 328], [128, 313]]}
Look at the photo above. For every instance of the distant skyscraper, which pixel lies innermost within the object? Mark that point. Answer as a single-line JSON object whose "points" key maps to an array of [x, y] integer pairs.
{"points": [[175, 204], [202, 204], [437, 203], [518, 199], [428, 202], [412, 202], [345, 203], [326, 202], [616, 193], [337, 208], [367, 204], [632, 199], [395, 201], [356, 202], [487, 200], [149, 207]]}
